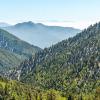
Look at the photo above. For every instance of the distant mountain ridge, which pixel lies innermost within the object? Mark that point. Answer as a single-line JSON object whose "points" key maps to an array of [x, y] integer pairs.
{"points": [[2, 24], [40, 34]]}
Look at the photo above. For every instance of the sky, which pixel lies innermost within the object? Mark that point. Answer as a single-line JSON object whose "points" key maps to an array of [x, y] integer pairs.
{"points": [[68, 13]]}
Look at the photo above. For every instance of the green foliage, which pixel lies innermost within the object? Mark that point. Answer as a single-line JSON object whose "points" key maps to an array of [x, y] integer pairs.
{"points": [[13, 90], [71, 66], [69, 70]]}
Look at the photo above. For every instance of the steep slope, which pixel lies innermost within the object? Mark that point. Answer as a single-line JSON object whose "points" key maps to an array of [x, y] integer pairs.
{"points": [[13, 50], [41, 35], [71, 66], [8, 61]]}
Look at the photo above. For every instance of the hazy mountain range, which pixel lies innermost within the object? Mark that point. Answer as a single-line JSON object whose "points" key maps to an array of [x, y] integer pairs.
{"points": [[2, 24], [41, 35]]}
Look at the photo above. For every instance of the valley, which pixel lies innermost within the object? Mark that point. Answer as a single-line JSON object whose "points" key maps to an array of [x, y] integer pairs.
{"points": [[68, 70]]}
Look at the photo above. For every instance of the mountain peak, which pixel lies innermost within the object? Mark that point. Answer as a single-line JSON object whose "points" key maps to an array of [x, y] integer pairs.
{"points": [[29, 23]]}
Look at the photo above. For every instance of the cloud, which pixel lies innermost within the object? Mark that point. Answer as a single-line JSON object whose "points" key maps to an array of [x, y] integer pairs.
{"points": [[76, 24], [66, 23], [54, 20]]}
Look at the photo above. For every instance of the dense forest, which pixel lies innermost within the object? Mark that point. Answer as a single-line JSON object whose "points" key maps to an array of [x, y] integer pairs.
{"points": [[71, 67], [14, 90]]}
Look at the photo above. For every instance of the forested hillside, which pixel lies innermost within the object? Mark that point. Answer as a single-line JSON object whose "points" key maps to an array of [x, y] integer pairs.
{"points": [[71, 66], [8, 60], [13, 51], [14, 90], [50, 50]]}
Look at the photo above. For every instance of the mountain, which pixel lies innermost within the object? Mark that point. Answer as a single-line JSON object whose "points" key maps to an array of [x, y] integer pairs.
{"points": [[2, 24], [8, 61], [41, 35], [71, 66], [13, 51]]}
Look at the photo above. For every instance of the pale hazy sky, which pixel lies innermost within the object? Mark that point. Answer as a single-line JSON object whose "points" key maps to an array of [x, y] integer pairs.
{"points": [[75, 13]]}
